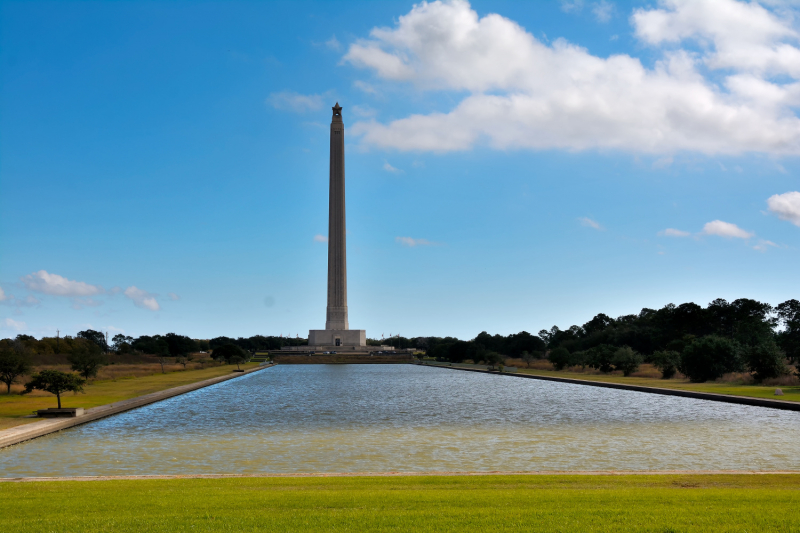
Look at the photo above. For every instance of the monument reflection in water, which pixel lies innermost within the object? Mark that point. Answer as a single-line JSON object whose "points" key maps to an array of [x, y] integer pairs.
{"points": [[379, 418]]}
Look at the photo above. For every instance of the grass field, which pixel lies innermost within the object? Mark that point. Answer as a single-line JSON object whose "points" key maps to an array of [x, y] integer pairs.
{"points": [[646, 503], [13, 407]]}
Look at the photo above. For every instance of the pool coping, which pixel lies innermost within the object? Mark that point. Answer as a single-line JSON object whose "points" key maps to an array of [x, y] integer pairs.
{"points": [[728, 398], [17, 434], [410, 474]]}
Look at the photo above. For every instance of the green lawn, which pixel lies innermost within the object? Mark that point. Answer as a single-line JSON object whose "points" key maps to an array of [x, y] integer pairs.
{"points": [[657, 503], [790, 393], [102, 392]]}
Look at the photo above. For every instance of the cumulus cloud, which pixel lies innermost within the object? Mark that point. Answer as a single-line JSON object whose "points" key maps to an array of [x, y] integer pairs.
{"points": [[671, 232], [142, 298], [726, 229], [411, 242], [2, 294], [320, 238], [786, 206], [299, 103], [172, 296], [589, 223], [56, 285], [736, 95], [743, 36]]}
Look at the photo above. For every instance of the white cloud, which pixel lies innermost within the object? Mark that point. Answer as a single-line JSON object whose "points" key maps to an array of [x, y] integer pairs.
{"points": [[172, 296], [142, 298], [2, 294], [389, 168], [726, 229], [523, 93], [670, 232], [333, 43], [15, 325], [589, 223], [786, 206], [603, 10], [571, 6], [743, 36], [764, 245], [320, 238], [56, 285], [299, 103], [409, 241]]}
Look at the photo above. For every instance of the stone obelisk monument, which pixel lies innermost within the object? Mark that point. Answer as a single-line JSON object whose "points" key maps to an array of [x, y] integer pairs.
{"points": [[337, 239], [337, 333]]}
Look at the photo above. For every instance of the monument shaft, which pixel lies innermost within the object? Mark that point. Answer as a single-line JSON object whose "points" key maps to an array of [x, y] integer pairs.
{"points": [[337, 253]]}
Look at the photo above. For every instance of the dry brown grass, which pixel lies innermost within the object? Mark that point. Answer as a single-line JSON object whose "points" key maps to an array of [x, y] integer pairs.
{"points": [[112, 372]]}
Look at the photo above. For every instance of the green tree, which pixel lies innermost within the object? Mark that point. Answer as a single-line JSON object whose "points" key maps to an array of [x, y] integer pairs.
{"points": [[601, 358], [789, 339], [560, 357], [709, 357], [230, 353], [96, 337], [765, 360], [493, 359], [122, 343], [667, 362], [55, 382], [161, 351], [86, 359], [627, 360], [13, 363]]}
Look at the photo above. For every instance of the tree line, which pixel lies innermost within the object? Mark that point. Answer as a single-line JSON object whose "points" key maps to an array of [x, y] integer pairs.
{"points": [[703, 343], [88, 352]]}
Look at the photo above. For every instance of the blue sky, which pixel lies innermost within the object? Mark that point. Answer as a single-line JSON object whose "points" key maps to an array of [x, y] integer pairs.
{"points": [[510, 165]]}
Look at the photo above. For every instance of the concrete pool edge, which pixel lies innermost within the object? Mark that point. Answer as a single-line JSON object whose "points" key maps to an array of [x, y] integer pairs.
{"points": [[728, 398], [410, 474], [18, 434]]}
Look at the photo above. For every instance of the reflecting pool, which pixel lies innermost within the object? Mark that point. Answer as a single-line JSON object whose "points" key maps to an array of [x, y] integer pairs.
{"points": [[380, 418]]}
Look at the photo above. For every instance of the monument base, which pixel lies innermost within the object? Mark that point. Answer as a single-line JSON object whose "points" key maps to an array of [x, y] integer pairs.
{"points": [[337, 337]]}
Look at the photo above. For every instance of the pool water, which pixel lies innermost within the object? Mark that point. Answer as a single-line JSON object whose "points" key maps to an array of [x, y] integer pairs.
{"points": [[382, 418]]}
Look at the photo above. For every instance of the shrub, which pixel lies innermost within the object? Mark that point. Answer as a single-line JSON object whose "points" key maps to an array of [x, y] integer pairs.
{"points": [[765, 360], [493, 359], [666, 361], [560, 357], [708, 358], [601, 358], [627, 360]]}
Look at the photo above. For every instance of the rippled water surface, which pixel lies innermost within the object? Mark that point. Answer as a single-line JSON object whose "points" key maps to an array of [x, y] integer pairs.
{"points": [[377, 418]]}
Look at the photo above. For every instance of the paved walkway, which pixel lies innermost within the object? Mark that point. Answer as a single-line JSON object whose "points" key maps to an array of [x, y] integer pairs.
{"points": [[25, 432]]}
